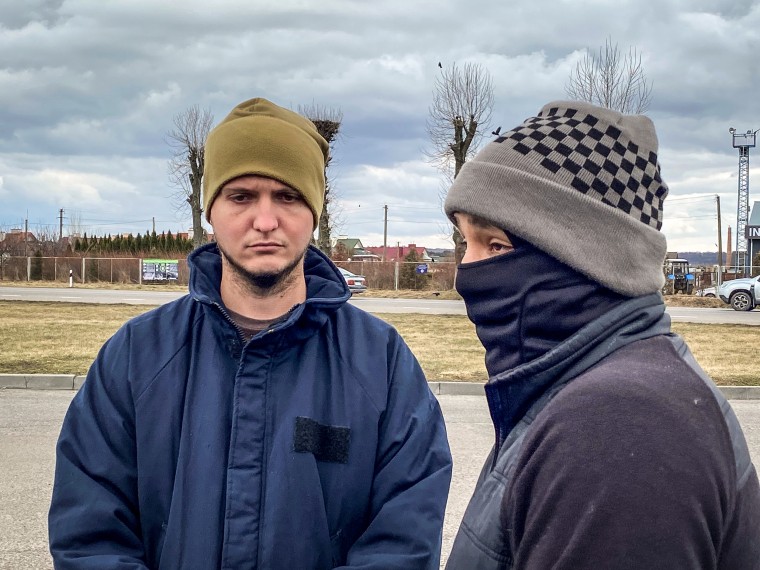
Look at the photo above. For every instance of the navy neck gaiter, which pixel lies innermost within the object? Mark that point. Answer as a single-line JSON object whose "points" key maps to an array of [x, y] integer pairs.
{"points": [[524, 303]]}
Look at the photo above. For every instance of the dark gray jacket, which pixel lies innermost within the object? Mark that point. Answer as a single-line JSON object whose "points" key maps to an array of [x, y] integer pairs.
{"points": [[628, 457]]}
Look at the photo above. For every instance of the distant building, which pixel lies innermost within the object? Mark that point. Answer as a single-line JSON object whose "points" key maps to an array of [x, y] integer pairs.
{"points": [[16, 241], [349, 245], [190, 233], [352, 249], [753, 233], [399, 252]]}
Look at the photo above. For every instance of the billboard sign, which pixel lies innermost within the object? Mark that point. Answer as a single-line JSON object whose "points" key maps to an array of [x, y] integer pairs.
{"points": [[160, 269]]}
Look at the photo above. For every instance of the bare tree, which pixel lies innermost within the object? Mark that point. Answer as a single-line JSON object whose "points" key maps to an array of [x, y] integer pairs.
{"points": [[188, 140], [76, 227], [611, 79], [457, 120], [47, 239], [328, 121]]}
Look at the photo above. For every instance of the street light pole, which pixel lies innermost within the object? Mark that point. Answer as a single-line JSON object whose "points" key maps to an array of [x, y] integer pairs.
{"points": [[743, 141]]}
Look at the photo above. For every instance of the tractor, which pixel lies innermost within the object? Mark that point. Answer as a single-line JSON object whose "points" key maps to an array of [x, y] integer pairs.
{"points": [[679, 277]]}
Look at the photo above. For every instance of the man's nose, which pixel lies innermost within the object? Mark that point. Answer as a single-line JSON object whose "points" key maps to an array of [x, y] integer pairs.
{"points": [[265, 216]]}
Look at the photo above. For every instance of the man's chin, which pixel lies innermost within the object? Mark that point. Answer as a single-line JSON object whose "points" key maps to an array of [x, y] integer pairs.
{"points": [[263, 275], [265, 281]]}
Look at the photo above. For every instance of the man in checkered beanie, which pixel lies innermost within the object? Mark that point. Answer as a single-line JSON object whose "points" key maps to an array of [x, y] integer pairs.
{"points": [[613, 447]]}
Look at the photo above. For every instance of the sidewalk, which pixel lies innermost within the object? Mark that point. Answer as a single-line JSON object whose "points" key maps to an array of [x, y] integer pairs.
{"points": [[74, 382]]}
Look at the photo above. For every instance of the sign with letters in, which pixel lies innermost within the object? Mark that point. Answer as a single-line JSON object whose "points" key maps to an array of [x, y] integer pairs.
{"points": [[160, 269]]}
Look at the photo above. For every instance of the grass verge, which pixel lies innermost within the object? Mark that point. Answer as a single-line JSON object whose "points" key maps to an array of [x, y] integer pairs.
{"points": [[48, 338]]}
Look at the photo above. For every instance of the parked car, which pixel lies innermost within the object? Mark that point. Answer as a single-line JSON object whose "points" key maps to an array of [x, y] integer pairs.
{"points": [[742, 294], [356, 283], [707, 292]]}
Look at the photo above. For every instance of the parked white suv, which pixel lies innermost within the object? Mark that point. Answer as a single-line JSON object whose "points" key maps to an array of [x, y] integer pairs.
{"points": [[742, 294]]}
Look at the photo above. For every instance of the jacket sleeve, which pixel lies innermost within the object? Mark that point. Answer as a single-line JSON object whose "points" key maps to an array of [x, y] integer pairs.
{"points": [[412, 477], [93, 521]]}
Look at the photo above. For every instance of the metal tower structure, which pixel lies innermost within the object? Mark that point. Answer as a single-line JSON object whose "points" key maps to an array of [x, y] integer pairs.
{"points": [[744, 142]]}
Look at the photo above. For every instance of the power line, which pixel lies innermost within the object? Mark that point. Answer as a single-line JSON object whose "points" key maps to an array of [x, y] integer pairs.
{"points": [[418, 208], [393, 207], [689, 198], [713, 216]]}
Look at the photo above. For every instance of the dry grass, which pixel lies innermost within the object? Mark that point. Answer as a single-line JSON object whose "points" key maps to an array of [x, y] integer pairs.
{"points": [[445, 345], [40, 337], [693, 301], [724, 351]]}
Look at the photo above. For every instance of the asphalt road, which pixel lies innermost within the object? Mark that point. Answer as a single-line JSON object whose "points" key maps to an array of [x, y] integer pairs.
{"points": [[30, 421], [370, 304]]}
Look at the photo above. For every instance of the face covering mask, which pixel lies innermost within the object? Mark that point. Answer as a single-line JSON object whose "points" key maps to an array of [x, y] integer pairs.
{"points": [[525, 302]]}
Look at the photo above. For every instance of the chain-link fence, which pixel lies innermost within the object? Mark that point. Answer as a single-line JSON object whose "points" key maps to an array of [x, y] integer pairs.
{"points": [[389, 275]]}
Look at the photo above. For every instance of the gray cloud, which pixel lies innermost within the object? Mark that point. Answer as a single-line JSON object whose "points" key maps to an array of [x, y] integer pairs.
{"points": [[88, 90]]}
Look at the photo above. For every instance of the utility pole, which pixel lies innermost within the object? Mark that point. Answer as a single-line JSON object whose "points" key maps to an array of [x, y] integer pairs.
{"points": [[154, 224], [60, 225], [26, 237], [385, 231], [720, 245]]}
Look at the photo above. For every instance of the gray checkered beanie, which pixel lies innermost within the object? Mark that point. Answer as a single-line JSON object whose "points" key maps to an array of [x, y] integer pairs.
{"points": [[581, 183]]}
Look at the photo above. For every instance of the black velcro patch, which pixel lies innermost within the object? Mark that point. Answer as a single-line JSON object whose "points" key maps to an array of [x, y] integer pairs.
{"points": [[326, 443]]}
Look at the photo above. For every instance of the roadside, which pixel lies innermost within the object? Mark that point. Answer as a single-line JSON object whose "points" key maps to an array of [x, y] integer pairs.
{"points": [[443, 295]]}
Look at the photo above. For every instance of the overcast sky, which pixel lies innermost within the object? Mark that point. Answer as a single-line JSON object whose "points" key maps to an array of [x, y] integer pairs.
{"points": [[88, 89]]}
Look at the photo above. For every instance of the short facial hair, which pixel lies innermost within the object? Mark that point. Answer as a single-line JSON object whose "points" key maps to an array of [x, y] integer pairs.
{"points": [[266, 283]]}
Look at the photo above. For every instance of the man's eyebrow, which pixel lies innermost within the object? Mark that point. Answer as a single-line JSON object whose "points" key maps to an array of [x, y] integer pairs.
{"points": [[236, 188]]}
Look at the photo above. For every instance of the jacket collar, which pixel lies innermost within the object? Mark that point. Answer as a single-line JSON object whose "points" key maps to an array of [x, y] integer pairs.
{"points": [[511, 393], [326, 290]]}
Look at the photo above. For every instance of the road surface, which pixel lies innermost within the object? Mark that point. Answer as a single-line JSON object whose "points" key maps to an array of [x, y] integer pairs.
{"points": [[371, 304], [30, 421]]}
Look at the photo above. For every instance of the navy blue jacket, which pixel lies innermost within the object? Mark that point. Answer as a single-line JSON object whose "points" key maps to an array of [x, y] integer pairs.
{"points": [[315, 445]]}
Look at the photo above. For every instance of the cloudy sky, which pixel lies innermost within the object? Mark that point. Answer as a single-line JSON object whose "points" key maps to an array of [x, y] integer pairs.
{"points": [[88, 89]]}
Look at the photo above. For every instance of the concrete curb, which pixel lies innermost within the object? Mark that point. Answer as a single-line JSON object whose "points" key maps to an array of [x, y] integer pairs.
{"points": [[38, 381], [74, 382], [457, 388]]}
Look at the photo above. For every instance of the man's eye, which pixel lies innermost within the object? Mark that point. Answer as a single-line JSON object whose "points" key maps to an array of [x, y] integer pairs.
{"points": [[497, 247]]}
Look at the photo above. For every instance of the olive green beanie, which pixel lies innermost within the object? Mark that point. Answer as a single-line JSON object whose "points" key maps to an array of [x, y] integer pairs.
{"points": [[259, 137]]}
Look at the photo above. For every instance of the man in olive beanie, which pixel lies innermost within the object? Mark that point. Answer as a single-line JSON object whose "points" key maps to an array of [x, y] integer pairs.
{"points": [[613, 447], [258, 137], [261, 421]]}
